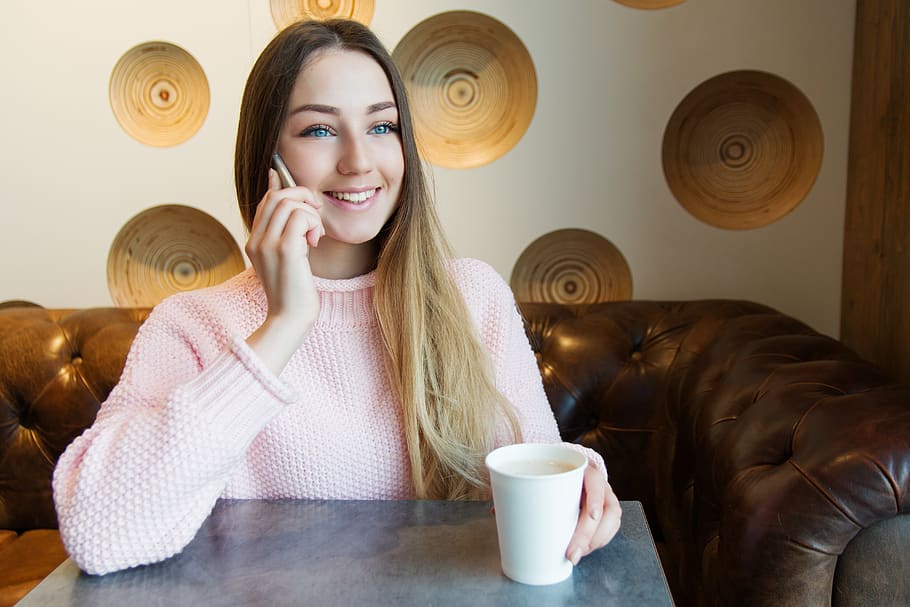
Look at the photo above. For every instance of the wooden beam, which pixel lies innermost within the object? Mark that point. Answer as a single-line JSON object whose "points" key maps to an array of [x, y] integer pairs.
{"points": [[875, 302]]}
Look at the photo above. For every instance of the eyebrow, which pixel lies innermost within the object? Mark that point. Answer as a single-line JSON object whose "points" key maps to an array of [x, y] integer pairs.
{"points": [[329, 109]]}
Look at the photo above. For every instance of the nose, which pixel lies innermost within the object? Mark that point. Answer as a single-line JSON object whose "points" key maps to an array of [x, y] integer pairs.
{"points": [[355, 156]]}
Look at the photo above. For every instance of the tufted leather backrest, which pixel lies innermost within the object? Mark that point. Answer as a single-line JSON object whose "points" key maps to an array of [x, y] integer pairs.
{"points": [[56, 367], [611, 371]]}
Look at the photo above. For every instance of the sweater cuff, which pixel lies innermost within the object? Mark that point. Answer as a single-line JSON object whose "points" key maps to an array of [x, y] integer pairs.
{"points": [[236, 393], [592, 456], [254, 365]]}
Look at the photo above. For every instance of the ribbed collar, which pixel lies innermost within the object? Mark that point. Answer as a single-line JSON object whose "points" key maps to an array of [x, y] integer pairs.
{"points": [[356, 283], [346, 302]]}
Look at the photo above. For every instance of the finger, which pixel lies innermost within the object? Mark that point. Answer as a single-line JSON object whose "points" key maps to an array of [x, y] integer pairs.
{"points": [[276, 193], [306, 222], [304, 195], [589, 519], [274, 180], [265, 207], [266, 236], [609, 522], [313, 236]]}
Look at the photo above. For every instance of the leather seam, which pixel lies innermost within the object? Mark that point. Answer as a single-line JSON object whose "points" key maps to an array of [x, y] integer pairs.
{"points": [[811, 548], [824, 494], [894, 489]]}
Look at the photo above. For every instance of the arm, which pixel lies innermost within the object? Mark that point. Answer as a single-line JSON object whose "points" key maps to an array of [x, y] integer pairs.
{"points": [[518, 378], [517, 374], [137, 485], [286, 224]]}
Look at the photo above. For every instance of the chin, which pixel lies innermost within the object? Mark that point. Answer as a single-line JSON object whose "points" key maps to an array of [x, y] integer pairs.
{"points": [[353, 237]]}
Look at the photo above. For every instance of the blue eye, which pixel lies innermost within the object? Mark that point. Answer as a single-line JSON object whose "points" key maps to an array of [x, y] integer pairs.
{"points": [[384, 128], [319, 130]]}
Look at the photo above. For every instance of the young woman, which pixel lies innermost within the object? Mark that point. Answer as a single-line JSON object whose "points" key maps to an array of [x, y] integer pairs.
{"points": [[355, 359]]}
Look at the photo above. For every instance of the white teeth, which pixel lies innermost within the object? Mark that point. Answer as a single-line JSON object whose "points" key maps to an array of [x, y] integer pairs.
{"points": [[355, 197]]}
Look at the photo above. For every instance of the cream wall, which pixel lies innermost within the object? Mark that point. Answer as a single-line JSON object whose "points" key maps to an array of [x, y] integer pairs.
{"points": [[609, 78]]}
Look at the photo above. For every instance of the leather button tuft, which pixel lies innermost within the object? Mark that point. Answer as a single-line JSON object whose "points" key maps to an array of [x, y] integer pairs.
{"points": [[636, 355], [77, 360]]}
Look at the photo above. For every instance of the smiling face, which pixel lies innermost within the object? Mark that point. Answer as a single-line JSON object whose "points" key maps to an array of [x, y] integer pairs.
{"points": [[341, 141]]}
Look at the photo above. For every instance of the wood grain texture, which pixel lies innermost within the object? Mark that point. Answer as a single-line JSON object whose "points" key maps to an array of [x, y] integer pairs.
{"points": [[167, 249], [742, 149], [159, 94], [472, 86], [875, 302], [572, 266], [286, 12]]}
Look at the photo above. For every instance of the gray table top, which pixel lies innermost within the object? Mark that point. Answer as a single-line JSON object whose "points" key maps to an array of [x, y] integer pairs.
{"points": [[302, 552]]}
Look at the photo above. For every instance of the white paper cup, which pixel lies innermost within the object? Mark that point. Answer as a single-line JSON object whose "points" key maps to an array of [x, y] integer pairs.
{"points": [[537, 495]]}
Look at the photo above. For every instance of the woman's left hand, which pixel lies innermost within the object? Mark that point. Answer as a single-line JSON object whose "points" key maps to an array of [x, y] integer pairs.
{"points": [[599, 518]]}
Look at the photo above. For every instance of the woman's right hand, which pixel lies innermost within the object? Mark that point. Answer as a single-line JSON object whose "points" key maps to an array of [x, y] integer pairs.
{"points": [[286, 224]]}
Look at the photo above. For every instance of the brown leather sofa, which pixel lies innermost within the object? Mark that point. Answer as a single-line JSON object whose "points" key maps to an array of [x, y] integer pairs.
{"points": [[773, 463]]}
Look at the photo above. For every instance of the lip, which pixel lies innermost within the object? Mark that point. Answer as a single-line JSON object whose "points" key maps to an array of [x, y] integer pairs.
{"points": [[350, 206]]}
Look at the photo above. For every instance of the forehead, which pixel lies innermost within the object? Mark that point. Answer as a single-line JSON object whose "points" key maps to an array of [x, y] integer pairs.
{"points": [[342, 78]]}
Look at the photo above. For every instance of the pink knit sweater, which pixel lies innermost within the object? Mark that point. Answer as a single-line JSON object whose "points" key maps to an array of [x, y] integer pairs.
{"points": [[196, 416]]}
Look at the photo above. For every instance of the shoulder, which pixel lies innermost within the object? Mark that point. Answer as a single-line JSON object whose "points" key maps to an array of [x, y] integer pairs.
{"points": [[230, 300], [485, 292], [472, 275]]}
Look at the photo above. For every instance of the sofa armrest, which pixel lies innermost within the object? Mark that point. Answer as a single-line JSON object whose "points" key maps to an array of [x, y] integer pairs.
{"points": [[797, 446]]}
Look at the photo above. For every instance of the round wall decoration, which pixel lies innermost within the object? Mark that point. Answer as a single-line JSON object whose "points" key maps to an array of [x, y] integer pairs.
{"points": [[571, 266], [159, 94], [286, 12], [650, 4], [472, 87], [742, 149], [167, 249]]}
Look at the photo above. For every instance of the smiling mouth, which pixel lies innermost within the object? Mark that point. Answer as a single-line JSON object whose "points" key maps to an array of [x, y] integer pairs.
{"points": [[353, 197]]}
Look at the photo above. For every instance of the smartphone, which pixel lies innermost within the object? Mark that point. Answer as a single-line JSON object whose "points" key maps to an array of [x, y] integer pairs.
{"points": [[283, 172]]}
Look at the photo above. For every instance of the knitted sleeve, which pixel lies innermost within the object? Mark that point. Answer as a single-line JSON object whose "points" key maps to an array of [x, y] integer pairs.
{"points": [[517, 374], [136, 486]]}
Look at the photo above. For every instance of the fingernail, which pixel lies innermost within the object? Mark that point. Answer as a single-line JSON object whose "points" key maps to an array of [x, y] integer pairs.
{"points": [[576, 556], [596, 514]]}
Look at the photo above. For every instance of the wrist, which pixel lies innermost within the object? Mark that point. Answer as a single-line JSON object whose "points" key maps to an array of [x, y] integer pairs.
{"points": [[276, 340]]}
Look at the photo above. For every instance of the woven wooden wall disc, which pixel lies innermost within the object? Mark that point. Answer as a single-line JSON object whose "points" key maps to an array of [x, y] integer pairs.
{"points": [[167, 249], [472, 87], [159, 94], [742, 149], [286, 12], [571, 266], [650, 4]]}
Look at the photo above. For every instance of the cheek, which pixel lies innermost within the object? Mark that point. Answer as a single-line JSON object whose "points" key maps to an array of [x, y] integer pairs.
{"points": [[309, 166], [394, 165]]}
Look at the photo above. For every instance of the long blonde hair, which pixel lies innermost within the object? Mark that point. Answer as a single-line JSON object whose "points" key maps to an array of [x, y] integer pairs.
{"points": [[435, 360]]}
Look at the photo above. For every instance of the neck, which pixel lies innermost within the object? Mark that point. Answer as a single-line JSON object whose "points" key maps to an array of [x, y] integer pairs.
{"points": [[337, 260]]}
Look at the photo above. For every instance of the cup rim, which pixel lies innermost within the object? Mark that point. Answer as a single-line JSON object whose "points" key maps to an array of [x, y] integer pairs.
{"points": [[494, 464]]}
